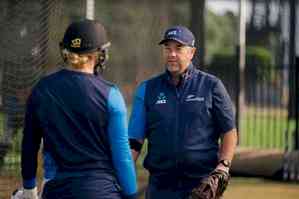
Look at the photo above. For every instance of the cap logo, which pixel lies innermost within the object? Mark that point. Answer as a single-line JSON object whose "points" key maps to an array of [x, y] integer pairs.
{"points": [[76, 43], [174, 32]]}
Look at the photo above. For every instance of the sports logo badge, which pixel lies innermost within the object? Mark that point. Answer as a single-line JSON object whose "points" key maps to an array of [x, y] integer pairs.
{"points": [[76, 43], [161, 98]]}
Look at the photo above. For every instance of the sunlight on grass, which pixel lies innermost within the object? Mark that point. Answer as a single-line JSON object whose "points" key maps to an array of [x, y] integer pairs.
{"points": [[266, 129]]}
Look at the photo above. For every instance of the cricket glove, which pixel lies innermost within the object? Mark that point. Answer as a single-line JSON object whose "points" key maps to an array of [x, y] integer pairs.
{"points": [[211, 187], [25, 194]]}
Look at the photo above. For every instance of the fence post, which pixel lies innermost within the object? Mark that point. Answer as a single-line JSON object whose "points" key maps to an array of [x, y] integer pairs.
{"points": [[241, 59], [297, 104], [90, 5]]}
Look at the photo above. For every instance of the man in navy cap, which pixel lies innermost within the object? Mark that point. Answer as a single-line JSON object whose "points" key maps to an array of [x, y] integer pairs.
{"points": [[182, 113]]}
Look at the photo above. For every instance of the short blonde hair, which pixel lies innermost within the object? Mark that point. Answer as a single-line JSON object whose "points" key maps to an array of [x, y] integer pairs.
{"points": [[76, 60]]}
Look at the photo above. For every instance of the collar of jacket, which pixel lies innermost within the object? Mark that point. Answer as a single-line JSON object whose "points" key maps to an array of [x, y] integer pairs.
{"points": [[185, 76]]}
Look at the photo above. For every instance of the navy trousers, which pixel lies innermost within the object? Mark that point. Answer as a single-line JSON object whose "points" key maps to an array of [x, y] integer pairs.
{"points": [[87, 187], [169, 187]]}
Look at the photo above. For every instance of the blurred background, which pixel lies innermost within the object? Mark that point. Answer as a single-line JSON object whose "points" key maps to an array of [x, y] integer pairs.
{"points": [[252, 45]]}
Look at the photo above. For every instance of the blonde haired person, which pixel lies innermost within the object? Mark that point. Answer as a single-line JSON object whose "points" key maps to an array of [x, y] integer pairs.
{"points": [[82, 121]]}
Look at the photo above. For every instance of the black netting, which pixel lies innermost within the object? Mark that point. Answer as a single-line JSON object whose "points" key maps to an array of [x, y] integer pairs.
{"points": [[30, 33], [31, 30]]}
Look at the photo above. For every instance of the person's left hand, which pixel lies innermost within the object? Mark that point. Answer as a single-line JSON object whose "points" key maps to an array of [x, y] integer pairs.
{"points": [[25, 194]]}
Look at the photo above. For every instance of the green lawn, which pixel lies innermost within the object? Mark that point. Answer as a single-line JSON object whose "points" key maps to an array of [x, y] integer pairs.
{"points": [[266, 129], [259, 129]]}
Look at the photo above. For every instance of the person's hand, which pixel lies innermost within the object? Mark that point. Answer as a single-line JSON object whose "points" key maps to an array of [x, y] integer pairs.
{"points": [[25, 194], [211, 187], [222, 168], [30, 193], [17, 194]]}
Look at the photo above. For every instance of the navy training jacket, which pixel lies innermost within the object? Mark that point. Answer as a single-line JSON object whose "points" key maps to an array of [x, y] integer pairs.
{"points": [[182, 124]]}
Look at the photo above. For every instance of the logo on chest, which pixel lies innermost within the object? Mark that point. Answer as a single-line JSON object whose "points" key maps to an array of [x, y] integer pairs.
{"points": [[191, 97], [161, 98]]}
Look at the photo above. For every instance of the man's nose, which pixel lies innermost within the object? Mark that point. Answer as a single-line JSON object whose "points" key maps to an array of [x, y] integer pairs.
{"points": [[172, 53]]}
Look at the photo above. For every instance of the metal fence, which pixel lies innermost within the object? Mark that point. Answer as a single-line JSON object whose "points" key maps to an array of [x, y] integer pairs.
{"points": [[265, 121], [31, 31]]}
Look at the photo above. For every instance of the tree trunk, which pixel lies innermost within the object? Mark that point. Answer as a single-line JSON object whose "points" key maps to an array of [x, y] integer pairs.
{"points": [[197, 26]]}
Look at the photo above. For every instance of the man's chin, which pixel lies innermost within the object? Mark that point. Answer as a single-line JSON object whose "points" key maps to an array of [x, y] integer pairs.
{"points": [[174, 72], [173, 69]]}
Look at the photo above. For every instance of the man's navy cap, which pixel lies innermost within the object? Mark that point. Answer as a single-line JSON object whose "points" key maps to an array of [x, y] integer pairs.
{"points": [[180, 34]]}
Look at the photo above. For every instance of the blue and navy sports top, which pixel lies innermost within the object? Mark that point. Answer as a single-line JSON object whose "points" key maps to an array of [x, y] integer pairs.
{"points": [[82, 121]]}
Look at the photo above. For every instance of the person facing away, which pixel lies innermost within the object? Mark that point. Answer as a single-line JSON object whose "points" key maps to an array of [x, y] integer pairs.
{"points": [[182, 113], [81, 119]]}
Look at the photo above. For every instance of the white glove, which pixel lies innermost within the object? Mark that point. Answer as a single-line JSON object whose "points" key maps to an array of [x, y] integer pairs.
{"points": [[25, 194], [30, 193], [17, 194]]}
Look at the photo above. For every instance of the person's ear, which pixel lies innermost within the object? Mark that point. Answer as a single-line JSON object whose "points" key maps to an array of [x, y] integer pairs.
{"points": [[192, 52]]}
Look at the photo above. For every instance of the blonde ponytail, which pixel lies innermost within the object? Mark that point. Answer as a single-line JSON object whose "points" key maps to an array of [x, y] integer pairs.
{"points": [[77, 61]]}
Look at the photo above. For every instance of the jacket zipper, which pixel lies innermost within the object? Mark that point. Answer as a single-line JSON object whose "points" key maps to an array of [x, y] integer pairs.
{"points": [[177, 158]]}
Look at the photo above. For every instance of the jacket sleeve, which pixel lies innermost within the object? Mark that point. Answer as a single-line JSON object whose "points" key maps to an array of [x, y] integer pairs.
{"points": [[118, 137], [223, 108], [138, 116], [32, 135]]}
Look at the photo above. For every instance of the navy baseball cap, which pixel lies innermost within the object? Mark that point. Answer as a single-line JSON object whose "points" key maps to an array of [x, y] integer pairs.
{"points": [[180, 34]]}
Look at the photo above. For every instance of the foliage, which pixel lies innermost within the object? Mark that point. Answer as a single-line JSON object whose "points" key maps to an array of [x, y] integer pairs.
{"points": [[221, 34], [258, 64]]}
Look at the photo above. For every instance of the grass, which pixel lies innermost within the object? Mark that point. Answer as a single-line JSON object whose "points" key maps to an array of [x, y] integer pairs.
{"points": [[260, 128], [246, 188], [266, 129]]}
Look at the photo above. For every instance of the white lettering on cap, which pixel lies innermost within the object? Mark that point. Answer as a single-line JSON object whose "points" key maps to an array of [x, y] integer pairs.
{"points": [[174, 32]]}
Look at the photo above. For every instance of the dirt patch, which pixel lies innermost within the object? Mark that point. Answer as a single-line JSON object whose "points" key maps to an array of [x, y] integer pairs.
{"points": [[257, 188], [7, 185]]}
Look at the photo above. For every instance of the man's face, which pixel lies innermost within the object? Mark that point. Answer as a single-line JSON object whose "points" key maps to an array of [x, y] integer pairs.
{"points": [[177, 56]]}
